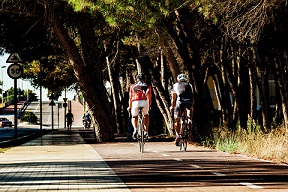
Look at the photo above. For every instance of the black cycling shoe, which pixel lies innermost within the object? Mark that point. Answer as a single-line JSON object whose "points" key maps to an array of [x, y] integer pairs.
{"points": [[177, 141], [146, 137]]}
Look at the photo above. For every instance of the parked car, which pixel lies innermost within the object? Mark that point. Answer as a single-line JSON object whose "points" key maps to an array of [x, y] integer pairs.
{"points": [[4, 122]]}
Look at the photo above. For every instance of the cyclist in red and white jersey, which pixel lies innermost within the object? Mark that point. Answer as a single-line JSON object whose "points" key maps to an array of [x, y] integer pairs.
{"points": [[140, 95]]}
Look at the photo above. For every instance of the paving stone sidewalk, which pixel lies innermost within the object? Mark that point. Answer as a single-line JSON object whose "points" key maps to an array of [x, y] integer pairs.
{"points": [[58, 161]]}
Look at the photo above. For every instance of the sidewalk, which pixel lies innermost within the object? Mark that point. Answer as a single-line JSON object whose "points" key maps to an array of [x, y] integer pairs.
{"points": [[58, 161]]}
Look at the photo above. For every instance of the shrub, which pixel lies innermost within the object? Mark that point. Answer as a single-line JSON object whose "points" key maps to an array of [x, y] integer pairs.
{"points": [[29, 117]]}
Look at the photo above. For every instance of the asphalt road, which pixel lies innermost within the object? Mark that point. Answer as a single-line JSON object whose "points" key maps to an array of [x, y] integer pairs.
{"points": [[57, 114], [163, 167]]}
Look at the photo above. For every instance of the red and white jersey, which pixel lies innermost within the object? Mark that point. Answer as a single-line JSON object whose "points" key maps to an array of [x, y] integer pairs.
{"points": [[139, 91]]}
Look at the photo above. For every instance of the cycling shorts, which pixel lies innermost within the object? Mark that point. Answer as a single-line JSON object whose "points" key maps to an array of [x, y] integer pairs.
{"points": [[180, 106], [137, 104]]}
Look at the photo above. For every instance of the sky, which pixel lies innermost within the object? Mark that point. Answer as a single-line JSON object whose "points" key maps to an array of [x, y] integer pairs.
{"points": [[24, 85]]}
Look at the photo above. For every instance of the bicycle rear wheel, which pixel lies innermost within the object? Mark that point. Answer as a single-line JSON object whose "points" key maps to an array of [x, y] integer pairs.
{"points": [[141, 138]]}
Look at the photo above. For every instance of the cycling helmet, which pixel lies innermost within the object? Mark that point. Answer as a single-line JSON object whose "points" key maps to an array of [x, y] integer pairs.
{"points": [[182, 77], [141, 77]]}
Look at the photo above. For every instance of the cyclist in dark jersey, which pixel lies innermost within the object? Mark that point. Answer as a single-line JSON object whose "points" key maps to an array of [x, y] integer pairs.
{"points": [[182, 97]]}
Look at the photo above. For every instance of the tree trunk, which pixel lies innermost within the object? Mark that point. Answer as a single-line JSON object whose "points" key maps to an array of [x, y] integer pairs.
{"points": [[283, 91], [259, 75], [252, 95], [115, 101], [91, 84], [226, 104]]}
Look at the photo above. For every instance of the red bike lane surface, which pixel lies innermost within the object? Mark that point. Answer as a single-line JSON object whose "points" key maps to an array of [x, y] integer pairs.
{"points": [[163, 167]]}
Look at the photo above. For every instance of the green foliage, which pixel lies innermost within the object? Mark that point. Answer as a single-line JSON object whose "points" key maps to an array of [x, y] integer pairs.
{"points": [[29, 117], [128, 13], [228, 144], [27, 33]]}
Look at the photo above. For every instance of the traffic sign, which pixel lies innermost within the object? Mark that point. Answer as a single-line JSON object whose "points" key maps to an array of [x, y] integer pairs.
{"points": [[15, 71], [52, 103], [13, 58]]}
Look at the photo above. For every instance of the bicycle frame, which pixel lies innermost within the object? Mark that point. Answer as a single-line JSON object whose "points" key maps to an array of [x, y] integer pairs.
{"points": [[141, 139]]}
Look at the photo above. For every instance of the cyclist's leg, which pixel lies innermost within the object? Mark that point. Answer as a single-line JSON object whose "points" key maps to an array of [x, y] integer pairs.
{"points": [[134, 120], [177, 114], [189, 114], [146, 119], [177, 125]]}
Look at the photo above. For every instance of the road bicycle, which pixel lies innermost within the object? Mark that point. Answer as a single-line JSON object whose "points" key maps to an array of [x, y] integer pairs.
{"points": [[140, 128], [185, 130]]}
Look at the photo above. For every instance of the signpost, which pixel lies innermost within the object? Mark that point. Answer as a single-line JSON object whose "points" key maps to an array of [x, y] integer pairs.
{"points": [[52, 103], [15, 71], [65, 106]]}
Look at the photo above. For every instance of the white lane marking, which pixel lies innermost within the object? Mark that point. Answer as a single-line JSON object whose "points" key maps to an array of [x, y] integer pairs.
{"points": [[218, 174], [250, 185], [196, 166], [177, 159], [165, 155]]}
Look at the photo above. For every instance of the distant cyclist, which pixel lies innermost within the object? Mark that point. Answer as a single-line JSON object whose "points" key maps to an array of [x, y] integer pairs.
{"points": [[86, 119], [182, 97], [140, 95]]}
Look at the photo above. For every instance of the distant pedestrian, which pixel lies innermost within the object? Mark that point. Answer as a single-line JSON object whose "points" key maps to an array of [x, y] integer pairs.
{"points": [[69, 118]]}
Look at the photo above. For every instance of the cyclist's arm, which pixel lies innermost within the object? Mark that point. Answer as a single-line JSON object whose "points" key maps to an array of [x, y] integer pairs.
{"points": [[130, 97], [173, 99], [150, 96], [174, 95]]}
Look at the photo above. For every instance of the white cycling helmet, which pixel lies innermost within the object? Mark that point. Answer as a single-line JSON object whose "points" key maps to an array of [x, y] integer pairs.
{"points": [[182, 77]]}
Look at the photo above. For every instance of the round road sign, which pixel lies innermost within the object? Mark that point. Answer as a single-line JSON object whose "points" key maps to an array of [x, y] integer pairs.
{"points": [[15, 71]]}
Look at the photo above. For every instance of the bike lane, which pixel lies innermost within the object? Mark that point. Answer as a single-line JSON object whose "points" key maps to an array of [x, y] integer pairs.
{"points": [[163, 167]]}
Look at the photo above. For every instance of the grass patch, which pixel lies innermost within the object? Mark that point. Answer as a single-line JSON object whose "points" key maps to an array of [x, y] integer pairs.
{"points": [[2, 150], [254, 143]]}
